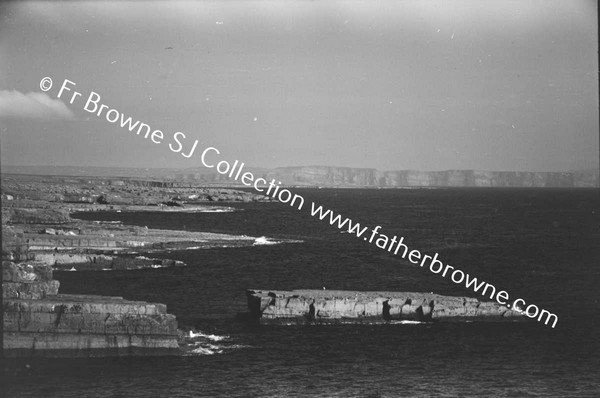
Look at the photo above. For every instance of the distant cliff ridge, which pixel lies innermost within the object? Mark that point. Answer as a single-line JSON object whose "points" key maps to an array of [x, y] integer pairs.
{"points": [[346, 176], [326, 176]]}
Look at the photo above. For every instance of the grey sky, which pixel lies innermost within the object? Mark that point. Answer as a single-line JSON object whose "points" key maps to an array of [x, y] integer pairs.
{"points": [[431, 85]]}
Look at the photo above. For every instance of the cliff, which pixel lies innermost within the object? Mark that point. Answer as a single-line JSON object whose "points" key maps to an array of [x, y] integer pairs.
{"points": [[337, 306], [328, 176], [355, 177], [40, 322]]}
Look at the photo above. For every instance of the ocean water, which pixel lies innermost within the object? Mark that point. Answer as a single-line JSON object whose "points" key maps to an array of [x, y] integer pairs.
{"points": [[538, 244]]}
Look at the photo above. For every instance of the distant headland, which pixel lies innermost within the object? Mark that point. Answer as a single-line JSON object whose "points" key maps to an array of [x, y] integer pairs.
{"points": [[335, 177]]}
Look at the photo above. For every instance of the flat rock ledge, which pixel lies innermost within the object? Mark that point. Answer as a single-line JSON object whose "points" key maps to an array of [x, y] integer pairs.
{"points": [[39, 322], [339, 306]]}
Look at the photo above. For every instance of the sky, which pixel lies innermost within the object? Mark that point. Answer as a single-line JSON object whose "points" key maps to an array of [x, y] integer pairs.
{"points": [[426, 85]]}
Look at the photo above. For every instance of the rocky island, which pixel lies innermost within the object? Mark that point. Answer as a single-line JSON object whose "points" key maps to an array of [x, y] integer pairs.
{"points": [[299, 307]]}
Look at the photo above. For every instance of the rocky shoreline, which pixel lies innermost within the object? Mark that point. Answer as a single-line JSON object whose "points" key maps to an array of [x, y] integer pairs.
{"points": [[39, 236], [36, 222]]}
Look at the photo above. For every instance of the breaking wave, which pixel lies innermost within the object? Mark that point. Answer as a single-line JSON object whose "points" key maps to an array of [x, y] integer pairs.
{"points": [[216, 210], [408, 323], [212, 337], [263, 240], [199, 343]]}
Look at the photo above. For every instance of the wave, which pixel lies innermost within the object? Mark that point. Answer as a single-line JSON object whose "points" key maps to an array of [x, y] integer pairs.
{"points": [[263, 240], [204, 351], [215, 349], [408, 322], [212, 337], [199, 343], [216, 210]]}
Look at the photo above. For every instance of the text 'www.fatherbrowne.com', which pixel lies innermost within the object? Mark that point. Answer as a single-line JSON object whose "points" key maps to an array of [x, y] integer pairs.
{"points": [[211, 158], [397, 246]]}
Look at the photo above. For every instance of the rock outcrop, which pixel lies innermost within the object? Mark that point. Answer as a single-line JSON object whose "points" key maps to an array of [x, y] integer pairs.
{"points": [[95, 246], [40, 322], [338, 306]]}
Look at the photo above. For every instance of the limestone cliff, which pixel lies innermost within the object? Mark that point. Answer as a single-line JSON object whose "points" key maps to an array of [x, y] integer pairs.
{"points": [[356, 177], [40, 322], [329, 176]]}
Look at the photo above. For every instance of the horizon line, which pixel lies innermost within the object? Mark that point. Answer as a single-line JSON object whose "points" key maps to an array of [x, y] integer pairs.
{"points": [[597, 170]]}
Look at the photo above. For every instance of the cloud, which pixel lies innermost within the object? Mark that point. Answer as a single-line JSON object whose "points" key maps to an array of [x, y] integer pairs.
{"points": [[32, 106]]}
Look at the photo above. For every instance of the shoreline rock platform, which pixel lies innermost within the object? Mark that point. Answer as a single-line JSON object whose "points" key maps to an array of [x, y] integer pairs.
{"points": [[298, 307], [37, 223]]}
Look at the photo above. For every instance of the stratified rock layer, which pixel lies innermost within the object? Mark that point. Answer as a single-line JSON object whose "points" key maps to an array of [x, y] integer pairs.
{"points": [[40, 322], [338, 306]]}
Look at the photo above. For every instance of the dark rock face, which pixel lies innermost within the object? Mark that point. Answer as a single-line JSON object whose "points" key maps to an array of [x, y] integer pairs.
{"points": [[34, 216], [26, 273], [40, 322], [337, 306], [29, 290]]}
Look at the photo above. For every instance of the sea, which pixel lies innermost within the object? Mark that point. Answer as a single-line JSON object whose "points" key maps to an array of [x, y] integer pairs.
{"points": [[542, 245]]}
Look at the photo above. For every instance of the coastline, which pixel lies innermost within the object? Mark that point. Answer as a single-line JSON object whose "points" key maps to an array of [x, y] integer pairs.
{"points": [[39, 236]]}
